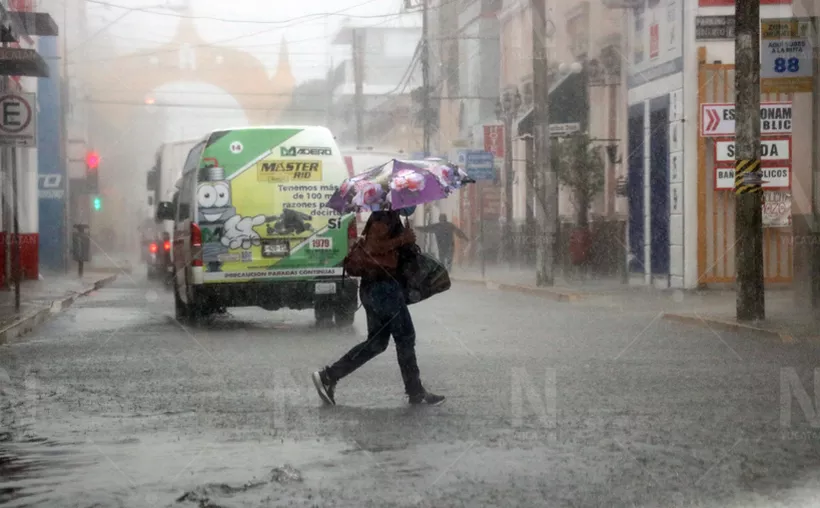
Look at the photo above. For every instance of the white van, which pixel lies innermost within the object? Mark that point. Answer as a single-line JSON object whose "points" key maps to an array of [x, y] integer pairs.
{"points": [[251, 229]]}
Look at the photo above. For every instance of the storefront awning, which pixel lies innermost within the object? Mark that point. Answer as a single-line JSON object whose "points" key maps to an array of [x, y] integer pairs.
{"points": [[22, 62], [34, 23], [567, 104]]}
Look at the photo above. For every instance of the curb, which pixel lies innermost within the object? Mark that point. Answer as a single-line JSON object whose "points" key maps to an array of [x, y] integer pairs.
{"points": [[552, 294], [33, 319], [725, 325]]}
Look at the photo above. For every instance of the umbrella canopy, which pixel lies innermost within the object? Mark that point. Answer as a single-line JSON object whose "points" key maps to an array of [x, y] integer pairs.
{"points": [[397, 184]]}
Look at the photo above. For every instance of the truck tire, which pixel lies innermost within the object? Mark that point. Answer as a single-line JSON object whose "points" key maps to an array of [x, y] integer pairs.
{"points": [[180, 309], [323, 311], [199, 310], [344, 311]]}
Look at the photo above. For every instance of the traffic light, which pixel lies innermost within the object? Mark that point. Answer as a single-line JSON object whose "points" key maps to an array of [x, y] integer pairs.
{"points": [[97, 203], [92, 180]]}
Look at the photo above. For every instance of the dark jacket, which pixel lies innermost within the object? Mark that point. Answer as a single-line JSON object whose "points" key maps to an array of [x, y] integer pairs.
{"points": [[445, 234]]}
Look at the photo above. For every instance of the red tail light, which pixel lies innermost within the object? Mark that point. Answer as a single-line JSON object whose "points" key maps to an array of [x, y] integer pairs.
{"points": [[196, 244], [166, 245], [152, 248]]}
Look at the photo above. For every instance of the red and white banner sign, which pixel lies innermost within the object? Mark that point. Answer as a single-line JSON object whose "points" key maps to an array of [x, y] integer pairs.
{"points": [[718, 120], [779, 177], [494, 140], [731, 3], [772, 149]]}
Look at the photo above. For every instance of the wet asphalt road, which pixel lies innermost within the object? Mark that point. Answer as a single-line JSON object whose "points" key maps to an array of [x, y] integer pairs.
{"points": [[113, 403]]}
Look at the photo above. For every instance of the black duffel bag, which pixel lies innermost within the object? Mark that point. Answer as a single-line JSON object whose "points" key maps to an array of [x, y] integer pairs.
{"points": [[422, 276]]}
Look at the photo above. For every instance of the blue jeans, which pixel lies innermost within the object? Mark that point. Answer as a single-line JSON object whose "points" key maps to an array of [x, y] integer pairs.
{"points": [[387, 314]]}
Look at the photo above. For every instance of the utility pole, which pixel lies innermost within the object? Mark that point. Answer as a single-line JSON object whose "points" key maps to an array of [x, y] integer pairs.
{"points": [[748, 185], [425, 76], [357, 75], [425, 100], [545, 177]]}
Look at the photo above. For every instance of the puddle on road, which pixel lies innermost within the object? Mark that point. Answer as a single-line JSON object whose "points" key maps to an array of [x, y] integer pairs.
{"points": [[164, 471], [89, 319]]}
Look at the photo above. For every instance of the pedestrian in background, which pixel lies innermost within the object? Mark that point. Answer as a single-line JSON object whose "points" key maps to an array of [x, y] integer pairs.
{"points": [[445, 232], [384, 303]]}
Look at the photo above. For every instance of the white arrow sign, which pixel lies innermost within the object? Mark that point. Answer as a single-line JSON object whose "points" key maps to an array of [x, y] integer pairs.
{"points": [[719, 119]]}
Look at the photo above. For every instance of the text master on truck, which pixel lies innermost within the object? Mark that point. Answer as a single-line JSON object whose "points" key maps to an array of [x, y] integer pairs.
{"points": [[251, 228]]}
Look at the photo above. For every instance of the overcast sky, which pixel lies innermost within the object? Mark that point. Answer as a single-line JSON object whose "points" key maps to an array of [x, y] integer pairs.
{"points": [[256, 26]]}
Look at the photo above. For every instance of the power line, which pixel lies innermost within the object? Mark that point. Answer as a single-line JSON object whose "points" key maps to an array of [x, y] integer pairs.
{"points": [[246, 21], [214, 107], [218, 44]]}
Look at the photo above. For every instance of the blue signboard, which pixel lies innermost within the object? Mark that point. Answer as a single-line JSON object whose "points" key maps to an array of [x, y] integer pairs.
{"points": [[50, 165], [479, 165]]}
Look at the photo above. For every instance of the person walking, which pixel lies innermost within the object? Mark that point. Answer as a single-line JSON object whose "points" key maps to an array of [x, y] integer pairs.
{"points": [[445, 232], [387, 314]]}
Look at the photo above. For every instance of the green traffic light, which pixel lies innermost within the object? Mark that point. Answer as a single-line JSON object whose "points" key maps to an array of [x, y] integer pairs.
{"points": [[97, 203]]}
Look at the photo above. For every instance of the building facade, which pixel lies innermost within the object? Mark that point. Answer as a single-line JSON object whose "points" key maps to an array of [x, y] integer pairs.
{"points": [[390, 70], [583, 55], [23, 68], [681, 204]]}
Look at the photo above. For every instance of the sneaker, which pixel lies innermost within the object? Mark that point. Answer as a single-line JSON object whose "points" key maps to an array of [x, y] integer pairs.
{"points": [[431, 399], [325, 387]]}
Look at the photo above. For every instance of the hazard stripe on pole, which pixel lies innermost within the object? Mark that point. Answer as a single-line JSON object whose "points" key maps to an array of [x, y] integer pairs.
{"points": [[747, 177]]}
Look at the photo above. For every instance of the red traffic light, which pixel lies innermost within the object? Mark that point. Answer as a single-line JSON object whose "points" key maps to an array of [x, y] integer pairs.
{"points": [[92, 160]]}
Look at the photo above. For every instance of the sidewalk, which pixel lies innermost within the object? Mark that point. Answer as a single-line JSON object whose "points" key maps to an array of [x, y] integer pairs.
{"points": [[40, 298], [715, 308], [523, 280]]}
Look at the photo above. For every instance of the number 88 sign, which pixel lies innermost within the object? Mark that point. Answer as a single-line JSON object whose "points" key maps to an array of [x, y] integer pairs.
{"points": [[786, 60], [781, 65]]}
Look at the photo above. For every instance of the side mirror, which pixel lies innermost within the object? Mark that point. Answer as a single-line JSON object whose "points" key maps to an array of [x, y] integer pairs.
{"points": [[165, 211]]}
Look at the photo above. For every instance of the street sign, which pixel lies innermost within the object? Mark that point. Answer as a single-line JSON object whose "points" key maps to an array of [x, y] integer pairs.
{"points": [[770, 150], [772, 177], [564, 129], [479, 165], [714, 28], [18, 119], [718, 120], [786, 56]]}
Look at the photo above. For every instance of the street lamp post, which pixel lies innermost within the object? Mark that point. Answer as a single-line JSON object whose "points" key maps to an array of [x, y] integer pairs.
{"points": [[507, 109]]}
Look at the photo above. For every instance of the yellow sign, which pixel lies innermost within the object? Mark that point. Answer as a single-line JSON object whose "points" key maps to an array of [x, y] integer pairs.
{"points": [[786, 29], [279, 171]]}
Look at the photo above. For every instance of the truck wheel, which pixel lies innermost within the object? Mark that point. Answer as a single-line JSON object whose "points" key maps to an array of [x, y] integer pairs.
{"points": [[345, 311], [180, 309], [199, 310], [323, 310]]}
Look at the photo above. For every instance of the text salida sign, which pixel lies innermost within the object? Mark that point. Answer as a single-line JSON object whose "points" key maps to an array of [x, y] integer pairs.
{"points": [[770, 150]]}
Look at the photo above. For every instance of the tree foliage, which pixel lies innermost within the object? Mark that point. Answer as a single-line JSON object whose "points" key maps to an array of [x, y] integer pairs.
{"points": [[580, 168]]}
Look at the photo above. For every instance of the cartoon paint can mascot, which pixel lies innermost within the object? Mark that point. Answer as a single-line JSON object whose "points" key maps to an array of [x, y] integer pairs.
{"points": [[222, 228]]}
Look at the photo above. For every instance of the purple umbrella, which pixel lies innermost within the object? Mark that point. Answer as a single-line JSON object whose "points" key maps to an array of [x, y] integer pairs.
{"points": [[393, 185]]}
